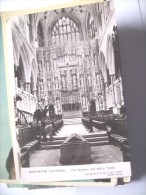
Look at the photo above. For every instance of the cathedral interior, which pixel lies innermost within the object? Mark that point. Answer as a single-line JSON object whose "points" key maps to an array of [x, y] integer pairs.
{"points": [[67, 63]]}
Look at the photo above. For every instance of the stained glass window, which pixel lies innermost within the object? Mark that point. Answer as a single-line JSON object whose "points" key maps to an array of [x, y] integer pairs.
{"points": [[65, 31]]}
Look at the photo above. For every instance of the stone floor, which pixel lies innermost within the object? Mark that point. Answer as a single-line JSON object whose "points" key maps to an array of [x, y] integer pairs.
{"points": [[99, 154], [72, 126], [67, 130]]}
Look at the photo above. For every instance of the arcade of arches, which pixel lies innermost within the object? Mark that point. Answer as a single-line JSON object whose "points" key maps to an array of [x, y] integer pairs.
{"points": [[68, 58]]}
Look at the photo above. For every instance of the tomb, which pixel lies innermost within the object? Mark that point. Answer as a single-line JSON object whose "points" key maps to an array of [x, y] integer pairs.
{"points": [[75, 150]]}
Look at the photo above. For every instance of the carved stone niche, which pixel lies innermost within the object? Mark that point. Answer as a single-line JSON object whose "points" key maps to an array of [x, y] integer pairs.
{"points": [[75, 150]]}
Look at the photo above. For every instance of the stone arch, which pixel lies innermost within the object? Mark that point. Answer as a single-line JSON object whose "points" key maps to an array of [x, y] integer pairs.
{"points": [[25, 58], [36, 20], [71, 17], [15, 49]]}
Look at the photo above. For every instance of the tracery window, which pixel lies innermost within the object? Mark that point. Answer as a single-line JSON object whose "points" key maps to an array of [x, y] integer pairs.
{"points": [[65, 31]]}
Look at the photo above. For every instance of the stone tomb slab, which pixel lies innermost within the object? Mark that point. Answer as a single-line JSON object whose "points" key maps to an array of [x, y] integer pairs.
{"points": [[75, 150]]}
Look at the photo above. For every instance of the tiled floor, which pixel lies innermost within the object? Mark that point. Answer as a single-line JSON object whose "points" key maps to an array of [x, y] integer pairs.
{"points": [[99, 154]]}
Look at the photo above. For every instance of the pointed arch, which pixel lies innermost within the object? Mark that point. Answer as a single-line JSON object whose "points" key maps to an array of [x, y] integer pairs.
{"points": [[15, 49], [25, 58], [70, 25]]}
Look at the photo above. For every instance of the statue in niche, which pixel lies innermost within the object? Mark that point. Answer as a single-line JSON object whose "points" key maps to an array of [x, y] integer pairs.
{"points": [[63, 82], [74, 80], [68, 28], [49, 83], [81, 80], [57, 83], [39, 65], [89, 80], [48, 65], [97, 78], [41, 84], [70, 57], [58, 103], [88, 61], [55, 64]]}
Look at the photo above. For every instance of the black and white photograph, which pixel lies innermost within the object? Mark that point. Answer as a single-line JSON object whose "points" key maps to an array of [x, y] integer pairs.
{"points": [[69, 101]]}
